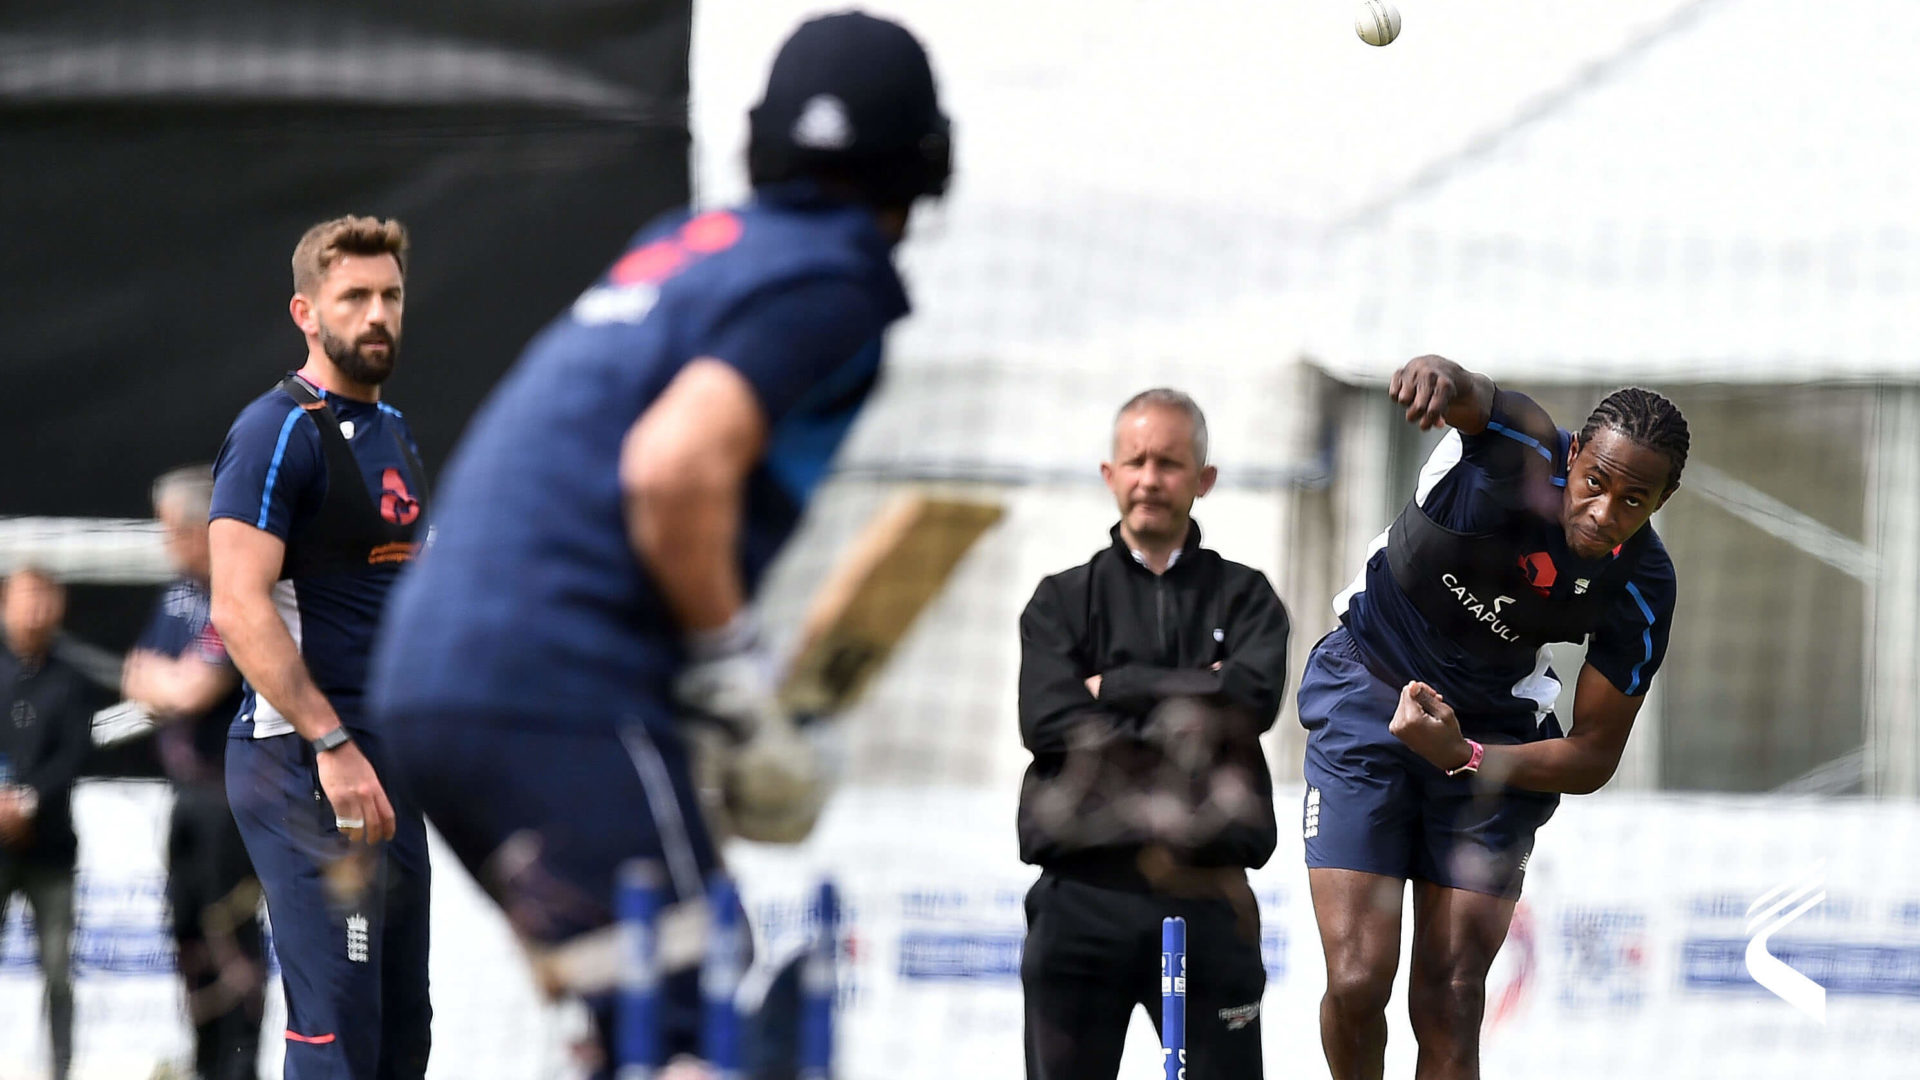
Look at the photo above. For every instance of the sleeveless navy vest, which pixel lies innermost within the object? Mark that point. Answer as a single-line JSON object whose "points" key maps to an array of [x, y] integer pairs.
{"points": [[1481, 591], [349, 533]]}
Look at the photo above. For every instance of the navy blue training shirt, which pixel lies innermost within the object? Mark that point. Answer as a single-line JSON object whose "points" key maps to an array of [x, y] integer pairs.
{"points": [[1471, 484], [272, 474], [530, 601], [193, 749]]}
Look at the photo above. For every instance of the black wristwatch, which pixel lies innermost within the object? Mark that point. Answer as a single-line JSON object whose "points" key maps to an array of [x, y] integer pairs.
{"points": [[332, 740]]}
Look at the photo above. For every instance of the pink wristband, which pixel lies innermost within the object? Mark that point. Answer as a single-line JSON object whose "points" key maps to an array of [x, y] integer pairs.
{"points": [[1473, 760]]}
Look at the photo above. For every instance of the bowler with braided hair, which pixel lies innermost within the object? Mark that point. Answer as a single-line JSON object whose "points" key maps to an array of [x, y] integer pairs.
{"points": [[1433, 754]]}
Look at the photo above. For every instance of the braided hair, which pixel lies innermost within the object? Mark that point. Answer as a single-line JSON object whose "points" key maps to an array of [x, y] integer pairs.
{"points": [[1647, 419]]}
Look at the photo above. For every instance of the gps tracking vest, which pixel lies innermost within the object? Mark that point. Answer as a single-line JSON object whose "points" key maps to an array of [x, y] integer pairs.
{"points": [[1498, 594], [352, 531]]}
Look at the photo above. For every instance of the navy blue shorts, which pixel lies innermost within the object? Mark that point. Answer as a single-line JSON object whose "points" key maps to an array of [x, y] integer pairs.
{"points": [[1375, 806], [544, 817], [350, 923]]}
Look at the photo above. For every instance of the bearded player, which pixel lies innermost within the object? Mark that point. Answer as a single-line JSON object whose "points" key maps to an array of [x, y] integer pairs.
{"points": [[318, 494], [1433, 754]]}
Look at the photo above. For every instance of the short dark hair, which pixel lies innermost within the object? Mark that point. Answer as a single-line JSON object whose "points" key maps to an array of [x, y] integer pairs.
{"points": [[1646, 418], [323, 245]]}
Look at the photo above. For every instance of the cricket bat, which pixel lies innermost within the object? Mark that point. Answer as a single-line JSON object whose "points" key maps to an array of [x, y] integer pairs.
{"points": [[898, 564]]}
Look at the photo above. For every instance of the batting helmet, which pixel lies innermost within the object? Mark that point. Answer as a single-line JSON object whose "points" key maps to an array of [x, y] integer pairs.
{"points": [[851, 99]]}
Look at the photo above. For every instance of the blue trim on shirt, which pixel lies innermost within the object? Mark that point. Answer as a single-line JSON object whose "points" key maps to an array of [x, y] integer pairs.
{"points": [[802, 444], [1520, 436], [273, 467], [1646, 638], [389, 410]]}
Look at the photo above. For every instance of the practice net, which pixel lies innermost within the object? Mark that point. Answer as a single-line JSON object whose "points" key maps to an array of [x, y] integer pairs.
{"points": [[1562, 227]]}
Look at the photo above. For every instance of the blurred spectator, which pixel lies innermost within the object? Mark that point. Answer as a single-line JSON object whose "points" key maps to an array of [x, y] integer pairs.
{"points": [[180, 673], [43, 739]]}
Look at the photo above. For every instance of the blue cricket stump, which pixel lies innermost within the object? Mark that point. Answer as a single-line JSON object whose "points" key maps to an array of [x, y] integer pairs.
{"points": [[639, 1009], [818, 985], [1173, 997], [726, 965], [637, 903]]}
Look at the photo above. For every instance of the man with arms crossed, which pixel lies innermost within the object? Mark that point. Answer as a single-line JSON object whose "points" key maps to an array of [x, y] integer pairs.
{"points": [[611, 509], [1113, 654], [317, 499], [1432, 754]]}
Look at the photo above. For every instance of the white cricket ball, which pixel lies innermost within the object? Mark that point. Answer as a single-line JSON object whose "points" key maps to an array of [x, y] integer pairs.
{"points": [[1378, 22]]}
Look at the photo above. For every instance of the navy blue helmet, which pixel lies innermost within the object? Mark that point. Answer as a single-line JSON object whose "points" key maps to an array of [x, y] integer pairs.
{"points": [[851, 100]]}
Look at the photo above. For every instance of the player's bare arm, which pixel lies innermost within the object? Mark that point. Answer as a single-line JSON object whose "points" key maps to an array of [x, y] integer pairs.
{"points": [[683, 469], [246, 562], [1579, 764], [683, 472], [174, 686]]}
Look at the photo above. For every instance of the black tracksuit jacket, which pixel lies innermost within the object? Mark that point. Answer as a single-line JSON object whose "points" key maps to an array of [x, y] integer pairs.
{"points": [[1150, 638]]}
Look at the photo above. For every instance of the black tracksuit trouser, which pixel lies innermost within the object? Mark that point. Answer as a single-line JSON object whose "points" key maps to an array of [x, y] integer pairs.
{"points": [[215, 901], [1093, 953]]}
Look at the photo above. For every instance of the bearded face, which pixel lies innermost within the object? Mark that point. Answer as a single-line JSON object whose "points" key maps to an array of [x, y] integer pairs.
{"points": [[366, 359], [354, 316]]}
